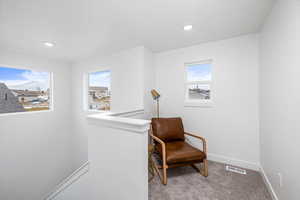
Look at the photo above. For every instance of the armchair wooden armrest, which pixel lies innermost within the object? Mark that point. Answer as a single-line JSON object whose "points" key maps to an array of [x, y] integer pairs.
{"points": [[163, 146], [204, 172], [201, 138]]}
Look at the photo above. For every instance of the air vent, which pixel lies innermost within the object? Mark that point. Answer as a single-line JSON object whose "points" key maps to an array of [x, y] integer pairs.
{"points": [[235, 170]]}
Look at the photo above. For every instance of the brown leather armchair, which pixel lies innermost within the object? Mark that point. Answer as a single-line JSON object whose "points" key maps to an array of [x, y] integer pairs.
{"points": [[169, 140]]}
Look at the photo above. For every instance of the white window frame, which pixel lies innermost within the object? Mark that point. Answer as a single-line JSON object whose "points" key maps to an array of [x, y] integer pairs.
{"points": [[86, 85], [202, 102], [51, 86]]}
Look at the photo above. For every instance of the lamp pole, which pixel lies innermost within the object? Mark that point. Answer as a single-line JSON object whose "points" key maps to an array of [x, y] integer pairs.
{"points": [[156, 97], [158, 108]]}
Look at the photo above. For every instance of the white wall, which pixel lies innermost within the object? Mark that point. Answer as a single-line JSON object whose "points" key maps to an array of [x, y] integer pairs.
{"points": [[149, 83], [35, 148], [280, 98], [127, 85], [231, 124], [119, 162], [117, 147]]}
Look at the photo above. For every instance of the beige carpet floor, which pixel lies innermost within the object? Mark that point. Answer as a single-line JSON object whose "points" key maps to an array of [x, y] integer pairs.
{"points": [[184, 183]]}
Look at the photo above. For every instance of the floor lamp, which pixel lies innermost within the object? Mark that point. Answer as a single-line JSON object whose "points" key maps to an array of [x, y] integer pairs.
{"points": [[156, 97]]}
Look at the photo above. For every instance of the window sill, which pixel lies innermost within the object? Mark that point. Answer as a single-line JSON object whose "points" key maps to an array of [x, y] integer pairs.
{"points": [[25, 113], [97, 111], [202, 104]]}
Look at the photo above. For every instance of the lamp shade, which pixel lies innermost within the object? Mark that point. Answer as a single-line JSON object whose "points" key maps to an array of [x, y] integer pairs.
{"points": [[155, 94]]}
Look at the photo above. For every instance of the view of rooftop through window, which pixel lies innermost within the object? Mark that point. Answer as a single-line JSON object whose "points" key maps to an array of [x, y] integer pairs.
{"points": [[24, 90], [99, 95], [198, 81]]}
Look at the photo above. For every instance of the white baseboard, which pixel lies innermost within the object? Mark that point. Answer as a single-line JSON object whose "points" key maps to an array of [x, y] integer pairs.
{"points": [[213, 157], [246, 165], [68, 181], [233, 161], [268, 184]]}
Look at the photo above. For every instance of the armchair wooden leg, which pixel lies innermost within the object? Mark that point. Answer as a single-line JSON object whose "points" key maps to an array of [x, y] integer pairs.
{"points": [[165, 175], [204, 170], [162, 176]]}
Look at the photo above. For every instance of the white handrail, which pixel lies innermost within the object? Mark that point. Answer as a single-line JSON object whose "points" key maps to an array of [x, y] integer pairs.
{"points": [[121, 120]]}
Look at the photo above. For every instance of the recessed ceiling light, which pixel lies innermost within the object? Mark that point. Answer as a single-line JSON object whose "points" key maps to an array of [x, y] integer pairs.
{"points": [[48, 44], [188, 27]]}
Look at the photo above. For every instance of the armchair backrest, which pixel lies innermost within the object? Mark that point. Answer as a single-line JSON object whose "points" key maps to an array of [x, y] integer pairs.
{"points": [[168, 129]]}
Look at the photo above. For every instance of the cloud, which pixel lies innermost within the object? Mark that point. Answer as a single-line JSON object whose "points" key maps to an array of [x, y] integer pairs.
{"points": [[30, 80], [100, 79], [198, 76], [199, 72], [36, 76]]}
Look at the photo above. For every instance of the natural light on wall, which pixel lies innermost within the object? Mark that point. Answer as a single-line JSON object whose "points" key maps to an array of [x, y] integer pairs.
{"points": [[99, 90], [198, 83], [24, 90]]}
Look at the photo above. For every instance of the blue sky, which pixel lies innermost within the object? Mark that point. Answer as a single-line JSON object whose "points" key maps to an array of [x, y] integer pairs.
{"points": [[12, 74], [24, 79], [199, 72], [101, 78]]}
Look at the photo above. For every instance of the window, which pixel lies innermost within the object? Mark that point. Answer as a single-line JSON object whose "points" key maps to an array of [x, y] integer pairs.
{"points": [[24, 90], [198, 83], [99, 90]]}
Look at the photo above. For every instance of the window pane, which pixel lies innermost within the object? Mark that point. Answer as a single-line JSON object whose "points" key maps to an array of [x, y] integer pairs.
{"points": [[199, 72], [199, 92], [24, 90], [99, 90]]}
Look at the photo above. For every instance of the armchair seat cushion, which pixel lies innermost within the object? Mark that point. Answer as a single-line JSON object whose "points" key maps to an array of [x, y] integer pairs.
{"points": [[181, 152]]}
